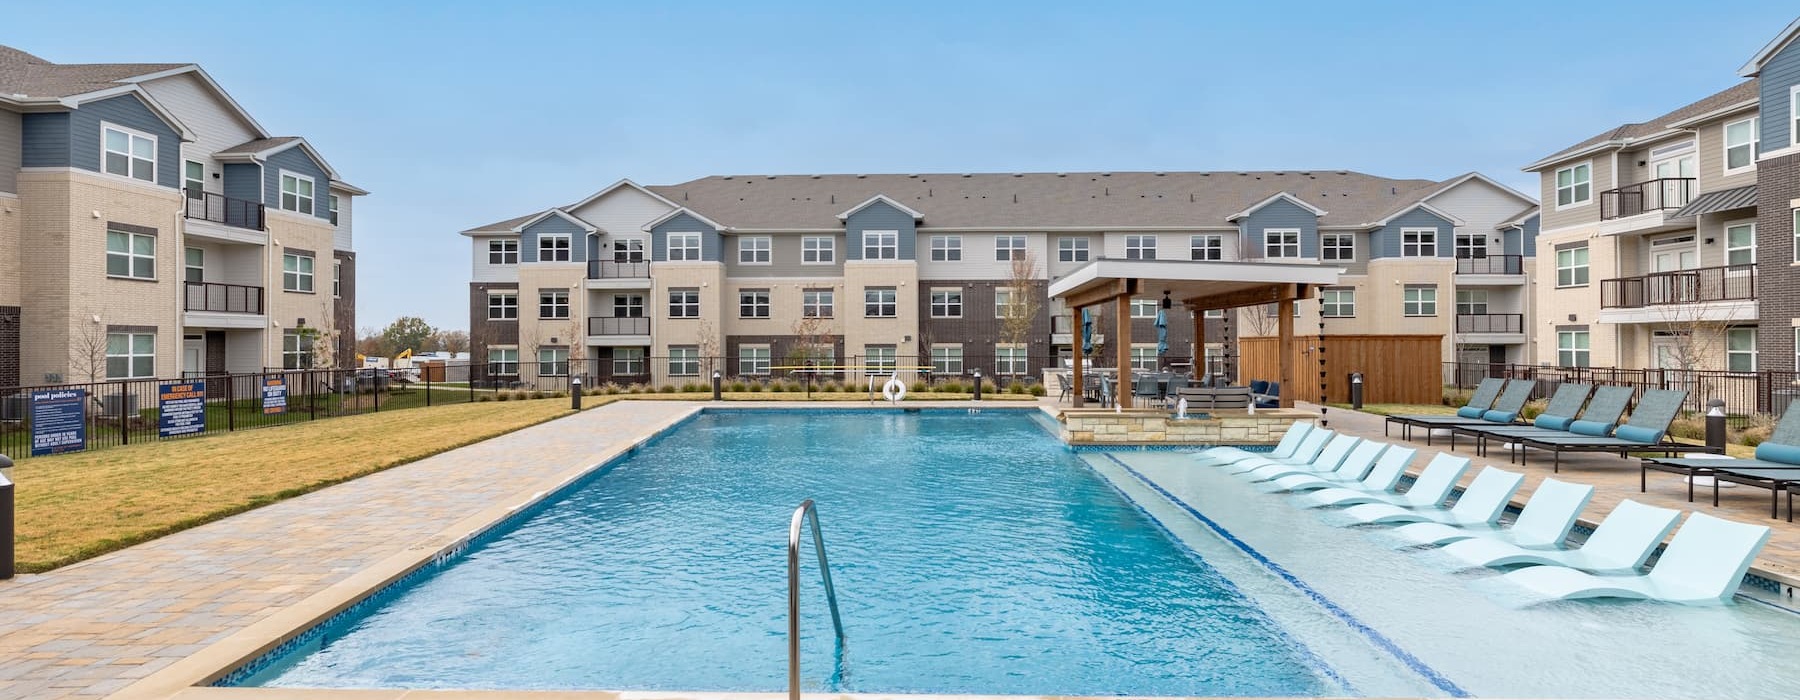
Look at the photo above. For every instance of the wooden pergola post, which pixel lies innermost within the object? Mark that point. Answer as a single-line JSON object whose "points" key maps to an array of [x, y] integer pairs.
{"points": [[1199, 360], [1284, 310], [1122, 309], [1079, 390]]}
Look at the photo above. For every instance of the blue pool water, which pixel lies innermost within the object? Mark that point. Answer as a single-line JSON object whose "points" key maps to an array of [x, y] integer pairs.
{"points": [[971, 553]]}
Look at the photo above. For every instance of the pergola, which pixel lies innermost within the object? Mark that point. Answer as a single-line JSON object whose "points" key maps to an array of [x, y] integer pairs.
{"points": [[1198, 286]]}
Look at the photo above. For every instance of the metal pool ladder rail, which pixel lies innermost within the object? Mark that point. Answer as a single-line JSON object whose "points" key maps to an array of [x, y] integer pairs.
{"points": [[793, 563]]}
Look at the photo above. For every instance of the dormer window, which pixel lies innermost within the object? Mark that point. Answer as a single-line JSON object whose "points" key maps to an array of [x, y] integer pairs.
{"points": [[128, 153], [296, 193], [1574, 185], [553, 247]]}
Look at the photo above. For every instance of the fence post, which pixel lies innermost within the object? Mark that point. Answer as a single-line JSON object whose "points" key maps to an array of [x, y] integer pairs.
{"points": [[125, 412], [230, 403], [428, 386], [375, 384]]}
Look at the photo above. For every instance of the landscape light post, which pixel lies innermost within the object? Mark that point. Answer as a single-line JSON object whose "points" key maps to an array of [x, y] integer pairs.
{"points": [[716, 380], [575, 393], [1715, 425], [977, 384], [6, 518]]}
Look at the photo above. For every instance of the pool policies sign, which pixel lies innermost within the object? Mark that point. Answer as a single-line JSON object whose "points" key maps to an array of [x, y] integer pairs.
{"points": [[58, 421]]}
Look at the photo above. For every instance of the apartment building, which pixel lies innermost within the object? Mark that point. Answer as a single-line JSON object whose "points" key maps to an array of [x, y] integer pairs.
{"points": [[1776, 71], [151, 227], [638, 283]]}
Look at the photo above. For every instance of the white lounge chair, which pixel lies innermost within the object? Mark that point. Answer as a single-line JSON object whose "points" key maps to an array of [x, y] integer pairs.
{"points": [[1543, 523], [1309, 450], [1619, 545], [1290, 441], [1356, 467], [1328, 461], [1480, 504], [1704, 563], [1429, 490]]}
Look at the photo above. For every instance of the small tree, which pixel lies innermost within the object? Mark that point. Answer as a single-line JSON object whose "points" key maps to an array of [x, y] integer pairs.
{"points": [[811, 336], [87, 351], [320, 345], [407, 333], [708, 345], [453, 341], [1023, 308]]}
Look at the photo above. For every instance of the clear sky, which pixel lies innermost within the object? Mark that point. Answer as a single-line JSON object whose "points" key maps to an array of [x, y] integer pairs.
{"points": [[457, 113]]}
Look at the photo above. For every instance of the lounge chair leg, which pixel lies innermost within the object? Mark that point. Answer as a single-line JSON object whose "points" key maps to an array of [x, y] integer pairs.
{"points": [[1644, 479], [1774, 504], [1715, 490]]}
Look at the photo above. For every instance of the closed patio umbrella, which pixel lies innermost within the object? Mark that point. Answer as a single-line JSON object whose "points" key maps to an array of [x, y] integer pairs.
{"points": [[1087, 332], [1162, 333]]}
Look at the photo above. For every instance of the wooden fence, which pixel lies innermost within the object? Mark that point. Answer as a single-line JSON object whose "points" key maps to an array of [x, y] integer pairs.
{"points": [[1396, 368]]}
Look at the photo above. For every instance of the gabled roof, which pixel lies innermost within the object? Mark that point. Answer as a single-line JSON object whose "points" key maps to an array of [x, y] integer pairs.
{"points": [[623, 182], [1769, 50], [258, 150], [1271, 200], [1452, 183], [883, 199], [1519, 219], [678, 211], [25, 77], [557, 212], [502, 227], [1628, 134], [1434, 211]]}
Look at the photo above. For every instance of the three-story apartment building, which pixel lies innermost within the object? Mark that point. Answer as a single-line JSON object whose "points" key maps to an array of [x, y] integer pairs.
{"points": [[642, 283], [150, 227]]}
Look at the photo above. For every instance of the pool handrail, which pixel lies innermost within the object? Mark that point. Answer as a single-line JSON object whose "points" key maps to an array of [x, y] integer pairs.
{"points": [[793, 565]]}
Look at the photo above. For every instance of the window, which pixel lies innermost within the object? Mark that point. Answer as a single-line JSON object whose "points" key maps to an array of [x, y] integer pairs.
{"points": [[296, 193], [1420, 300], [817, 303], [553, 247], [879, 302], [1740, 349], [296, 350], [130, 355], [1574, 185], [753, 250], [1143, 358], [879, 359], [628, 361], [503, 361], [1471, 302], [946, 359], [818, 250], [503, 307], [1572, 348], [1337, 246], [1140, 247], [1281, 243], [128, 154], [503, 251], [881, 245], [628, 250], [1796, 230], [1206, 247], [1418, 242], [553, 303], [946, 248], [297, 272], [1143, 308], [337, 279], [1471, 245], [1337, 303], [1009, 247], [1007, 301], [1742, 143], [1215, 313], [1010, 359], [130, 255], [684, 246], [684, 303], [628, 306], [946, 303], [684, 360], [753, 303], [331, 207], [1794, 115], [195, 268], [1572, 267], [753, 359], [1740, 244], [1072, 249], [193, 178]]}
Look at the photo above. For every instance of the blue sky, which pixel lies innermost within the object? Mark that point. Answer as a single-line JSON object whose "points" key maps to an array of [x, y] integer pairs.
{"points": [[460, 113]]}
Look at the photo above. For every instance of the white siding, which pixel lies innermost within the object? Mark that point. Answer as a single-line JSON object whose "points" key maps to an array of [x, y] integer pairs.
{"points": [[481, 271], [622, 213], [978, 261], [344, 238], [1058, 268], [1481, 206], [214, 123]]}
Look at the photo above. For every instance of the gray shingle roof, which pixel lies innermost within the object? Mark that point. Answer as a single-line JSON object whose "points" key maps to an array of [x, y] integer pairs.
{"points": [[1741, 92], [504, 226], [258, 145], [1518, 218], [24, 74]]}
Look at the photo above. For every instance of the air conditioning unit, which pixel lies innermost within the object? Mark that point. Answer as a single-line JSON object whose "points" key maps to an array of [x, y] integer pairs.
{"points": [[1780, 399], [15, 407], [111, 405]]}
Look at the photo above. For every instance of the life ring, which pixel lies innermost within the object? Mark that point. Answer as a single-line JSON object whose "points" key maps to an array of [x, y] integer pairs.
{"points": [[894, 389]]}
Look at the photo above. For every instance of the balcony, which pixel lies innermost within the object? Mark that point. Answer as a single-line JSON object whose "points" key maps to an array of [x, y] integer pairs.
{"points": [[223, 298], [608, 270], [616, 325], [1491, 265], [220, 209], [1490, 323], [1697, 286], [1660, 195]]}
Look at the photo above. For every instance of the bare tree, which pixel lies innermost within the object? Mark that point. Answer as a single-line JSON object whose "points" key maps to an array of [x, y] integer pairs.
{"points": [[1694, 341], [453, 342], [708, 347], [1259, 321], [1025, 303], [87, 350], [812, 341], [577, 349]]}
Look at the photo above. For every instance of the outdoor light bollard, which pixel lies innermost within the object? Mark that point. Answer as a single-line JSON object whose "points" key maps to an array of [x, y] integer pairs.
{"points": [[1356, 390], [6, 518], [575, 393], [1715, 425], [716, 380], [977, 385]]}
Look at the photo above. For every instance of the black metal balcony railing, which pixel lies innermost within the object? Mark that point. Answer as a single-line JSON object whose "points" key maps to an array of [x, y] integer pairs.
{"points": [[221, 209], [607, 269], [1490, 323], [1652, 195], [619, 325], [1727, 283], [1062, 324], [227, 298], [1491, 265]]}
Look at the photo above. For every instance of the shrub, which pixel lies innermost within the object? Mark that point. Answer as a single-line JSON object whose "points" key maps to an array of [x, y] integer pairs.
{"points": [[1038, 390], [560, 394], [1015, 388], [639, 388], [919, 387], [736, 387], [795, 386], [1690, 426], [502, 396], [537, 393], [484, 397], [1533, 409], [1757, 431], [1455, 397], [988, 387], [951, 387], [668, 388], [777, 387]]}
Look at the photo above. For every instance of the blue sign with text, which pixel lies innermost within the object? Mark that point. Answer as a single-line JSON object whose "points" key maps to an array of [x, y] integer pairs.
{"points": [[181, 408], [58, 421], [274, 395]]}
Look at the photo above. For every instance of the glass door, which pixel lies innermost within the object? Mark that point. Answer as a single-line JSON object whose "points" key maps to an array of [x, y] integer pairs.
{"points": [[1675, 178]]}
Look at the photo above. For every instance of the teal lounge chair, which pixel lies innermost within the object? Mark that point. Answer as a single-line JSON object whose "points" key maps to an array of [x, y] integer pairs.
{"points": [[1564, 405], [1618, 546], [1544, 522], [1480, 402], [1647, 431], [1329, 460], [1308, 451], [1599, 419], [1356, 468], [1505, 411], [1480, 504], [1290, 441], [1776, 467], [1428, 491], [1704, 564]]}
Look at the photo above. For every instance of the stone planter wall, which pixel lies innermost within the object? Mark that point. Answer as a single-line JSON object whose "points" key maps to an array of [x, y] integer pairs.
{"points": [[1143, 427]]}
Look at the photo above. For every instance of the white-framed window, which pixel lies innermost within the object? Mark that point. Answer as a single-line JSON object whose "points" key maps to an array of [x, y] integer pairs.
{"points": [[1740, 243], [818, 250], [1206, 247], [1011, 360], [553, 247], [130, 255], [130, 355], [1281, 243], [194, 265], [1572, 267], [1070, 249], [503, 361], [337, 279], [628, 361], [1794, 116], [879, 359], [684, 303], [880, 302], [503, 251], [296, 193], [1419, 300], [1215, 313], [1471, 302], [1740, 349], [1337, 246], [503, 306], [1140, 247], [946, 248], [684, 246], [1574, 185], [946, 303], [753, 303], [193, 178], [1471, 246], [1572, 349], [1009, 247], [1143, 308], [1143, 358], [754, 250], [1337, 303], [553, 303], [817, 303], [628, 250], [684, 360], [753, 360], [553, 362], [1007, 301], [1418, 243], [628, 306], [881, 245], [1742, 144], [331, 208], [297, 272], [946, 359], [128, 153]]}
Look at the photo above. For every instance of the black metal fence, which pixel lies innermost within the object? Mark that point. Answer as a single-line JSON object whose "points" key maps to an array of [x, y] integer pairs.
{"points": [[1764, 393], [1651, 195], [221, 209]]}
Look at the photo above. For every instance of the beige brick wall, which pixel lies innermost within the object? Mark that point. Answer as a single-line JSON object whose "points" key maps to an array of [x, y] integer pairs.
{"points": [[12, 214], [784, 305], [285, 308], [1555, 305], [535, 332], [709, 278], [901, 331]]}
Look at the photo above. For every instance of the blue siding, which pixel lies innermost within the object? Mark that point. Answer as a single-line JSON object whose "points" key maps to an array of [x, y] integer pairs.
{"points": [[528, 243], [130, 112], [684, 223], [1779, 76], [880, 217], [1531, 236], [45, 137], [295, 160], [1387, 238], [243, 181], [1280, 214]]}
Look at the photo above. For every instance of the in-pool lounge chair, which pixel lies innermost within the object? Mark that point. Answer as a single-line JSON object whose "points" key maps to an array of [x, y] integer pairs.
{"points": [[1599, 419], [1703, 564], [1309, 450], [1387, 472], [1290, 441], [1647, 431], [1480, 401], [1328, 461], [1504, 411], [1564, 405], [1776, 467], [1480, 504], [1618, 546], [1543, 523], [1428, 491], [1352, 467], [1356, 468]]}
